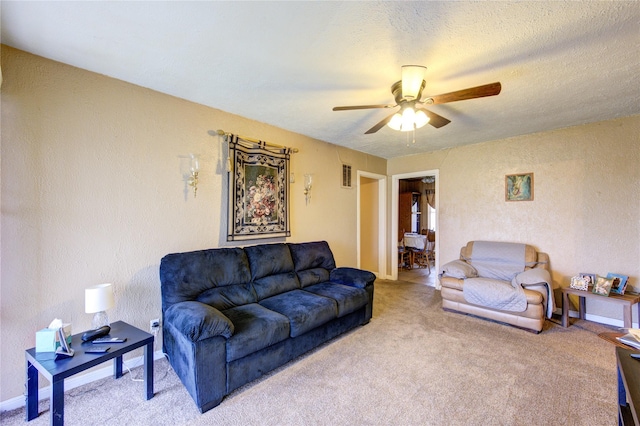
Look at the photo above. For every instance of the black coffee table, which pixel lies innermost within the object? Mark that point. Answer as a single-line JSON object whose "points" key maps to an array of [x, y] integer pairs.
{"points": [[57, 371]]}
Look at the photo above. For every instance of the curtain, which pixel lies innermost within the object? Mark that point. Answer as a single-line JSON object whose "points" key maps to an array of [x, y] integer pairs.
{"points": [[430, 192]]}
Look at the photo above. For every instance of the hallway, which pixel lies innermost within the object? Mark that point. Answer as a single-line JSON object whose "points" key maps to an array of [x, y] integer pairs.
{"points": [[418, 275]]}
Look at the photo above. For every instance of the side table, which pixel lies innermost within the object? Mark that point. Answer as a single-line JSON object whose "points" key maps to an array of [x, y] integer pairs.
{"points": [[626, 300], [57, 371], [628, 387]]}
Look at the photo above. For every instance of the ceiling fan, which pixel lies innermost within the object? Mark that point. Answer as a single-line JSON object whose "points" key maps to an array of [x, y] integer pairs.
{"points": [[408, 95]]}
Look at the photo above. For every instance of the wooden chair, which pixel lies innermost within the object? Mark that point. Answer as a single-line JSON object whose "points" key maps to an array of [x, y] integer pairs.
{"points": [[405, 256], [422, 257], [431, 238]]}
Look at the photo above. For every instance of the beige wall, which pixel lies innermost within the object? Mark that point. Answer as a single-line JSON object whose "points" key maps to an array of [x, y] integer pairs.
{"points": [[586, 208], [93, 191]]}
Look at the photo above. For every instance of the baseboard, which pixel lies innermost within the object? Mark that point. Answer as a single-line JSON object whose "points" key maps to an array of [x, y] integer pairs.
{"points": [[75, 381], [601, 320]]}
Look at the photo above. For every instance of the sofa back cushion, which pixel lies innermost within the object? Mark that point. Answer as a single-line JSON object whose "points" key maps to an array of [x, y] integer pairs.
{"points": [[268, 259], [312, 255], [499, 260], [271, 269], [218, 277], [312, 261]]}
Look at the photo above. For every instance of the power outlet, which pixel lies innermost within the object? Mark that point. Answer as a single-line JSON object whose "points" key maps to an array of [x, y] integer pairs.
{"points": [[154, 324]]}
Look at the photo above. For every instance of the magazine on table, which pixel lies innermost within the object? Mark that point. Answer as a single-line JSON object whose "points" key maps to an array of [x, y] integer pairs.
{"points": [[631, 339]]}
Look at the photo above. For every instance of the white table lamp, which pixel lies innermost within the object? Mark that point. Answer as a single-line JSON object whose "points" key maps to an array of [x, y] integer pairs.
{"points": [[98, 299]]}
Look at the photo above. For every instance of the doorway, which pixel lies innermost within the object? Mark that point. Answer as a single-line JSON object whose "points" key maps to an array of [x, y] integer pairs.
{"points": [[372, 222], [418, 192]]}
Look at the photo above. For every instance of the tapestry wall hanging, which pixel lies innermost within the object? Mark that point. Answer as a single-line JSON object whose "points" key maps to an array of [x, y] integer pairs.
{"points": [[258, 190]]}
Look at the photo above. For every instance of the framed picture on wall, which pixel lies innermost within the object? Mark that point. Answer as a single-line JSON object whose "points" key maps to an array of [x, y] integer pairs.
{"points": [[258, 191], [518, 187]]}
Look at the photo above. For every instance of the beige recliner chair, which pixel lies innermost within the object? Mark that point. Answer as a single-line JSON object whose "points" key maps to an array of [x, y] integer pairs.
{"points": [[506, 282]]}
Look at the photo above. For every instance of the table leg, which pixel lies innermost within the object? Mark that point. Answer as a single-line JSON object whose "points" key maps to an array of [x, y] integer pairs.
{"points": [[32, 391], [148, 370], [117, 367], [626, 316], [583, 307], [565, 309], [57, 403], [622, 395]]}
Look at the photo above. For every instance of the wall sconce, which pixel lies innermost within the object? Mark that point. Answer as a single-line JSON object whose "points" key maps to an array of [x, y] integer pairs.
{"points": [[195, 168], [308, 180]]}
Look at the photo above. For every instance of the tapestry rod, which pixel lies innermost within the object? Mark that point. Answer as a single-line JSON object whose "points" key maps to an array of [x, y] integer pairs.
{"points": [[258, 142]]}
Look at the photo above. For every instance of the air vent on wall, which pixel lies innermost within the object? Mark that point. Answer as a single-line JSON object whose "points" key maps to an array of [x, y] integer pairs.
{"points": [[346, 176]]}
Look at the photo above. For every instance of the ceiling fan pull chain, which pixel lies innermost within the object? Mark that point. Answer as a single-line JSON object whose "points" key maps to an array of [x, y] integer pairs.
{"points": [[414, 135]]}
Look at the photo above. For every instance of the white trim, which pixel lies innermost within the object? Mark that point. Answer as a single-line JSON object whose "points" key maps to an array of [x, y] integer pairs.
{"points": [[393, 245], [74, 382], [599, 319], [382, 220]]}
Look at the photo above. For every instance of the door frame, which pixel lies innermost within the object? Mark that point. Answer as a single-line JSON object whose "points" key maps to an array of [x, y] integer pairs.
{"points": [[395, 190], [382, 219]]}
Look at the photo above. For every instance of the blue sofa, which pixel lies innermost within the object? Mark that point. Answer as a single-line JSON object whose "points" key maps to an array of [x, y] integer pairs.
{"points": [[231, 315]]}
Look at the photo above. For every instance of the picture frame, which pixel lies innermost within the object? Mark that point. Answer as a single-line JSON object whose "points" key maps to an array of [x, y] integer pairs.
{"points": [[589, 278], [619, 282], [518, 187], [602, 286], [579, 283], [258, 191]]}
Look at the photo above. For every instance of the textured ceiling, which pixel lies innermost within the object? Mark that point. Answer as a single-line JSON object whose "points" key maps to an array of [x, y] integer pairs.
{"points": [[288, 63]]}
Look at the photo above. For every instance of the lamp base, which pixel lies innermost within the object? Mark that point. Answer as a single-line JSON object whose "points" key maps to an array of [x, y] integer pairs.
{"points": [[100, 319]]}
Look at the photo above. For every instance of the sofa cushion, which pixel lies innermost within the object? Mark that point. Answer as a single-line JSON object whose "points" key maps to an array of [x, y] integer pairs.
{"points": [[228, 296], [256, 327], [268, 259], [184, 276], [312, 276], [305, 310], [349, 299], [272, 285], [312, 255]]}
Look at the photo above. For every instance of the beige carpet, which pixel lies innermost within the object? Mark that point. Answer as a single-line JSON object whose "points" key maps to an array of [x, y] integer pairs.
{"points": [[413, 364]]}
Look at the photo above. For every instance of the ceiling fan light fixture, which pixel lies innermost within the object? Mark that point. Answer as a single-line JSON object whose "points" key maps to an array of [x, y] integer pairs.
{"points": [[408, 119], [421, 119], [412, 77], [396, 121]]}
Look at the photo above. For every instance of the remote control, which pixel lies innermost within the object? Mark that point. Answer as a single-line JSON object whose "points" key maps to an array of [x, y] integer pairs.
{"points": [[94, 334], [109, 340], [97, 350]]}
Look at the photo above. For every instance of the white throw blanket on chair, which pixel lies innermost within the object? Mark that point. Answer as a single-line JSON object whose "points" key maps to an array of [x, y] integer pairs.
{"points": [[495, 294], [497, 264], [502, 276]]}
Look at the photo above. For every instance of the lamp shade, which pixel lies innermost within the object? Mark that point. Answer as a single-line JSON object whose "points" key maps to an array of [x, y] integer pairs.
{"points": [[98, 298], [412, 76]]}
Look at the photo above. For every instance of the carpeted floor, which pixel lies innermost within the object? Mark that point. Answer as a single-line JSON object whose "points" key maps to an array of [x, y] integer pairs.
{"points": [[413, 364]]}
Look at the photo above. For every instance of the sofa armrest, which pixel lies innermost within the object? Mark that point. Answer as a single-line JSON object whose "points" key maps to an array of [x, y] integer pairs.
{"points": [[198, 321], [458, 269], [352, 277]]}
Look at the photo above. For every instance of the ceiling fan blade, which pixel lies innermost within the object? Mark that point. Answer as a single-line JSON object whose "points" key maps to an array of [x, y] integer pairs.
{"points": [[380, 125], [347, 108], [435, 120], [471, 93]]}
